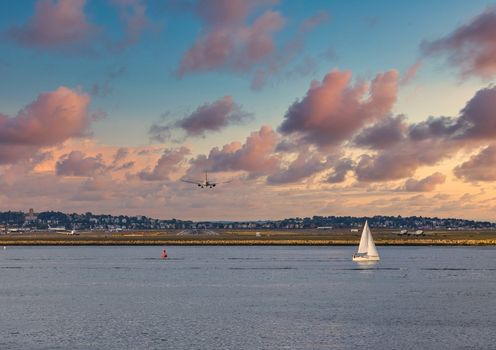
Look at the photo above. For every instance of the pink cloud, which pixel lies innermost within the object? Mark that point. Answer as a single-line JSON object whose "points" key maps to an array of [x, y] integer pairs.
{"points": [[471, 47], [426, 142], [225, 12], [403, 159], [278, 61], [333, 110], [208, 117], [427, 184], [170, 162], [254, 156], [480, 167], [77, 163], [305, 165], [410, 73], [55, 23], [50, 120], [227, 41]]}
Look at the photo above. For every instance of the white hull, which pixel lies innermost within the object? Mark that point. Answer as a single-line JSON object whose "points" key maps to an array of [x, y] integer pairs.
{"points": [[366, 258]]}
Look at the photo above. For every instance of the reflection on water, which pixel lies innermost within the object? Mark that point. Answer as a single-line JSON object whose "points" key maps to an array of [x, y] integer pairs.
{"points": [[247, 298]]}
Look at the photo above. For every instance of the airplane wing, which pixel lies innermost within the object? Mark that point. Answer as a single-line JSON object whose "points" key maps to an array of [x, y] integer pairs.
{"points": [[219, 183], [191, 181]]}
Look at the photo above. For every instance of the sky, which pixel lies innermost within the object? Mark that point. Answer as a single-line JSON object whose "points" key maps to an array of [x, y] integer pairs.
{"points": [[307, 107]]}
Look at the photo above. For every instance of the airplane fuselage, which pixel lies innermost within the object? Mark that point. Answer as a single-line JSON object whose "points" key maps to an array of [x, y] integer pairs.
{"points": [[207, 184]]}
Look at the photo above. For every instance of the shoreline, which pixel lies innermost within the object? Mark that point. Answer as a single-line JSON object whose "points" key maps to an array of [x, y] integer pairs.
{"points": [[282, 242], [335, 237]]}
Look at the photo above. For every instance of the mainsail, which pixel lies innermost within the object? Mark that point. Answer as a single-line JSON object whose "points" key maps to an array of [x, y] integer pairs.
{"points": [[364, 240]]}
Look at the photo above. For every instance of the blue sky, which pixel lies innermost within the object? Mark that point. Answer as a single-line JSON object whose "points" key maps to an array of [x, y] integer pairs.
{"points": [[367, 37]]}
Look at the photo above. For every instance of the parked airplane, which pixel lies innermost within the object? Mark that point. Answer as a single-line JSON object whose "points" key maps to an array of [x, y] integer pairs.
{"points": [[63, 230], [18, 229], [204, 183], [411, 233], [71, 232], [57, 228]]}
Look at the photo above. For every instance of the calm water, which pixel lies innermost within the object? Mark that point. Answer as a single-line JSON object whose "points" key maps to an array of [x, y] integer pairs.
{"points": [[246, 298]]}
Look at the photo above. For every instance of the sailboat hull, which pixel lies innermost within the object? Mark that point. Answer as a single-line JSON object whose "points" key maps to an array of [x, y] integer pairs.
{"points": [[365, 258]]}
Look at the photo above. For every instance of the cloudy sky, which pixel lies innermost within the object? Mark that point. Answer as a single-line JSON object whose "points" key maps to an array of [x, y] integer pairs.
{"points": [[312, 107]]}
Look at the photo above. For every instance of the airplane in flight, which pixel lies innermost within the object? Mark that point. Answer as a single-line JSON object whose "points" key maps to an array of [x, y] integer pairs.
{"points": [[205, 183]]}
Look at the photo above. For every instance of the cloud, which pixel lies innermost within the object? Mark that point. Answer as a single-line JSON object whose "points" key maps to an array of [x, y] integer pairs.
{"points": [[427, 184], [434, 127], [236, 36], [170, 162], [475, 122], [133, 14], [429, 141], [480, 167], [383, 134], [227, 41], [340, 170], [305, 67], [305, 165], [61, 24], [402, 160], [77, 163], [209, 117], [278, 61], [477, 119], [310, 23], [471, 47], [50, 120], [95, 189], [410, 73], [121, 154], [125, 166], [333, 110], [106, 87], [254, 156]]}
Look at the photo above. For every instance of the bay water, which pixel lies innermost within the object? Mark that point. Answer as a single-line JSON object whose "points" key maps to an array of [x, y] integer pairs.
{"points": [[235, 297]]}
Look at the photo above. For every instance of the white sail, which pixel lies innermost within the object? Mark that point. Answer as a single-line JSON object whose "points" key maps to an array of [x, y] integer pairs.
{"points": [[364, 240], [366, 249], [372, 250]]}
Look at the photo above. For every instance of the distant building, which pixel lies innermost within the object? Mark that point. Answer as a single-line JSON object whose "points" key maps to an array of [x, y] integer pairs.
{"points": [[31, 216]]}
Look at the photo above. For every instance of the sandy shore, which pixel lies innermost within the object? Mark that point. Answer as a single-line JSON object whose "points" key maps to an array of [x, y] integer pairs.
{"points": [[249, 237]]}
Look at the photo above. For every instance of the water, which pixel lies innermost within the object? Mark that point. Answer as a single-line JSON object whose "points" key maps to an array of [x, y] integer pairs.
{"points": [[247, 298]]}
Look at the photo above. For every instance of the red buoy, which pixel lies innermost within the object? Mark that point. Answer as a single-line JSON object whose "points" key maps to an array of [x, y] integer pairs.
{"points": [[164, 254]]}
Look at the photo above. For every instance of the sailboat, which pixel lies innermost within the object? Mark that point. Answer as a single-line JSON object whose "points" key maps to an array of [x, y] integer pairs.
{"points": [[366, 249]]}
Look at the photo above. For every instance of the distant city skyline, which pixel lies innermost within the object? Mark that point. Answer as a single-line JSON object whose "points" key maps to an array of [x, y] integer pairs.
{"points": [[11, 222], [311, 107]]}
